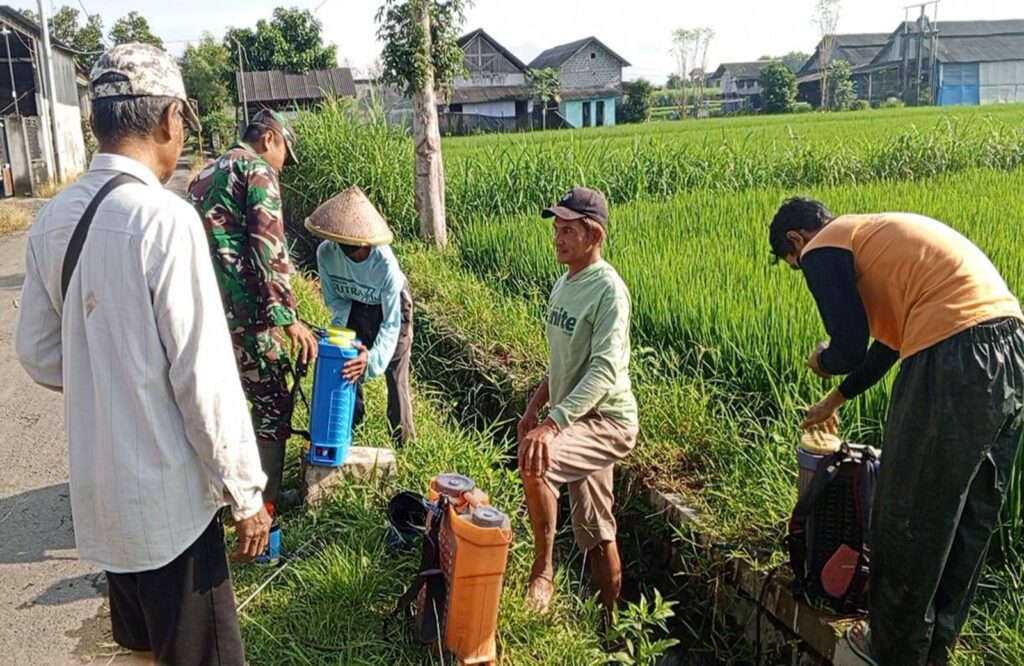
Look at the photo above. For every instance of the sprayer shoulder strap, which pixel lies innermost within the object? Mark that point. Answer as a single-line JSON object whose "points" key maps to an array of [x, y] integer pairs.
{"points": [[81, 232]]}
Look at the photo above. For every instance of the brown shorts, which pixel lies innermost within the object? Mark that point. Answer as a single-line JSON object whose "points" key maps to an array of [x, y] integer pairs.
{"points": [[583, 456]]}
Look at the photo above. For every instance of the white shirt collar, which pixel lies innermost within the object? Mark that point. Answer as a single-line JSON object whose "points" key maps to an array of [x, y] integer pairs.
{"points": [[112, 162]]}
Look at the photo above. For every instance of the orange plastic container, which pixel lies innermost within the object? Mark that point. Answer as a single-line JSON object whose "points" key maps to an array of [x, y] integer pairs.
{"points": [[473, 559]]}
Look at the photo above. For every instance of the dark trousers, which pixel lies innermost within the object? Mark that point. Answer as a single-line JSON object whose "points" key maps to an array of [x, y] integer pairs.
{"points": [[183, 612], [951, 437], [365, 320]]}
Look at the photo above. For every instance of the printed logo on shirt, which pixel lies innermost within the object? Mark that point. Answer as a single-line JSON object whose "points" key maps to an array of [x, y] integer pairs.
{"points": [[355, 291], [560, 318]]}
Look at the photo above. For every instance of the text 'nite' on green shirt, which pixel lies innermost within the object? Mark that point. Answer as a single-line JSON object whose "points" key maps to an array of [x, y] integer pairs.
{"points": [[588, 343]]}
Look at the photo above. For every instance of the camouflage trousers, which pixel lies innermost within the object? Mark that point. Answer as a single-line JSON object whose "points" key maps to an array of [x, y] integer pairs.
{"points": [[266, 373]]}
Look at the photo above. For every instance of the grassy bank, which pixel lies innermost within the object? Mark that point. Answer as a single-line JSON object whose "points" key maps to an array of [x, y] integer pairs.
{"points": [[697, 437], [329, 606]]}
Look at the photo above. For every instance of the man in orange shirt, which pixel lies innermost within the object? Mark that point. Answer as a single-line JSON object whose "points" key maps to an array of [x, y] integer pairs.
{"points": [[932, 300]]}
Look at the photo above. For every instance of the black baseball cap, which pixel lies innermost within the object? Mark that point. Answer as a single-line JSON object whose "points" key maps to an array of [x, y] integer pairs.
{"points": [[579, 203]]}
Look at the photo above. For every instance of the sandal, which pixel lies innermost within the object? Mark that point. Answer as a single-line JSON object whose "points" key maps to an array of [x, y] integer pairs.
{"points": [[859, 638]]}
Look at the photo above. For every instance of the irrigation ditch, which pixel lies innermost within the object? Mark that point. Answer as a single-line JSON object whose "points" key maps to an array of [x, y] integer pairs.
{"points": [[732, 607]]}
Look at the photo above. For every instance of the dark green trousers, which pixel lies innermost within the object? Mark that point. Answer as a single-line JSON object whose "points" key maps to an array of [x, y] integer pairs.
{"points": [[951, 437]]}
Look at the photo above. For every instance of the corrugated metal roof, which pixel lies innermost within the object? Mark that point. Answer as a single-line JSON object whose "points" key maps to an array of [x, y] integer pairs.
{"points": [[556, 56], [991, 48], [964, 41], [280, 86], [742, 70], [483, 94], [855, 48], [590, 93]]}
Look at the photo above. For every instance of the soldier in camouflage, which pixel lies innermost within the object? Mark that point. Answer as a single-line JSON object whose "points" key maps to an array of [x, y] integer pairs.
{"points": [[238, 197]]}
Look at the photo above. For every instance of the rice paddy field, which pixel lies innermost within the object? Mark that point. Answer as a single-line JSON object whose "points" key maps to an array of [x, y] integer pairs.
{"points": [[720, 332]]}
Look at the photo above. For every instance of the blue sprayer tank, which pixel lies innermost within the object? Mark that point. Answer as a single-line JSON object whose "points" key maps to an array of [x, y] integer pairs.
{"points": [[334, 400]]}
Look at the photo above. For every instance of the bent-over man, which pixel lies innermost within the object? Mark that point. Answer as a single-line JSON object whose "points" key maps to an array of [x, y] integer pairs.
{"points": [[934, 302]]}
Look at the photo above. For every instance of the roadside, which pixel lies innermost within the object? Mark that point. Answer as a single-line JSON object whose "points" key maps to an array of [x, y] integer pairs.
{"points": [[54, 606]]}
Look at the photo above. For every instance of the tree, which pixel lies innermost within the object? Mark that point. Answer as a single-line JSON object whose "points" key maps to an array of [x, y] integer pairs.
{"points": [[690, 48], [826, 16], [778, 88], [795, 60], [66, 27], [637, 107], [842, 93], [207, 69], [673, 82], [291, 40], [544, 85], [133, 27], [422, 55]]}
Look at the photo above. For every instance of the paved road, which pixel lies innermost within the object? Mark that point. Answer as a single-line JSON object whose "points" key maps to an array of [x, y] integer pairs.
{"points": [[52, 606]]}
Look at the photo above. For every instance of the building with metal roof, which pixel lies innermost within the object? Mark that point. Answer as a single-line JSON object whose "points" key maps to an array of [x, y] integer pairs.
{"points": [[285, 91], [35, 148], [969, 62]]}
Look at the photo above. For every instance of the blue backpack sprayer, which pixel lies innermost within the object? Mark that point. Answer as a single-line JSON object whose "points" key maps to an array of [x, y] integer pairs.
{"points": [[330, 414]]}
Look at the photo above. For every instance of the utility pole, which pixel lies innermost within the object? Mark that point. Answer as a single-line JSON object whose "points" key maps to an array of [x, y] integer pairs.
{"points": [[51, 88], [10, 66], [924, 29], [241, 82]]}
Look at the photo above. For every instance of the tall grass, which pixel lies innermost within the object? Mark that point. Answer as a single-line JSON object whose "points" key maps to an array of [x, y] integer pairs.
{"points": [[702, 283], [502, 176]]}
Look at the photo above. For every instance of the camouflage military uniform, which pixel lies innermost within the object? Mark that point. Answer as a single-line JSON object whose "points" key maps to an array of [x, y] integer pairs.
{"points": [[239, 199]]}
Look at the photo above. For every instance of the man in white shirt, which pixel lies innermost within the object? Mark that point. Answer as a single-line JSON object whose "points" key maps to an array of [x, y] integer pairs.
{"points": [[158, 428]]}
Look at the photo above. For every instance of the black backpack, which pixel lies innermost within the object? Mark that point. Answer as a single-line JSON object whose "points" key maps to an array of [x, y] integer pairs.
{"points": [[828, 532]]}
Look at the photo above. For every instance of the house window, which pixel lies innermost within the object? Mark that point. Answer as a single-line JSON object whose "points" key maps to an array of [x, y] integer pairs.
{"points": [[455, 108], [593, 56]]}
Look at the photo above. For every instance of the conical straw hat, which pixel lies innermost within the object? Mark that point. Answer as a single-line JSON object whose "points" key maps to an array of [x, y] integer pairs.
{"points": [[350, 218]]}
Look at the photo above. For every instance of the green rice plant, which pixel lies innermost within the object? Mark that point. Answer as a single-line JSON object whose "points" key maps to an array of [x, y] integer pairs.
{"points": [[703, 286], [511, 175]]}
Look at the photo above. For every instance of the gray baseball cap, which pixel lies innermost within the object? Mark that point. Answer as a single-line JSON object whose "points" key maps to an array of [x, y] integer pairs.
{"points": [[147, 71]]}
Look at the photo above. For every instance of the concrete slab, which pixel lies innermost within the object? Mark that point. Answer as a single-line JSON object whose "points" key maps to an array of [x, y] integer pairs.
{"points": [[363, 463]]}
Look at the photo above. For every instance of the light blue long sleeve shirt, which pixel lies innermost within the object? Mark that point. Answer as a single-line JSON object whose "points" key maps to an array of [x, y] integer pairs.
{"points": [[377, 280]]}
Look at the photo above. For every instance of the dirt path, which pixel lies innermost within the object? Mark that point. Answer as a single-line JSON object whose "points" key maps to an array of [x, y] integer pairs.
{"points": [[53, 606]]}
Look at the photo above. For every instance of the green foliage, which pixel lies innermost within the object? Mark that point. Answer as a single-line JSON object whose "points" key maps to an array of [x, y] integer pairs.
{"points": [[406, 62], [892, 103], [133, 27], [861, 105], [206, 68], [544, 86], [292, 40], [795, 60], [66, 26], [841, 92], [637, 107], [674, 81], [634, 625], [778, 88]]}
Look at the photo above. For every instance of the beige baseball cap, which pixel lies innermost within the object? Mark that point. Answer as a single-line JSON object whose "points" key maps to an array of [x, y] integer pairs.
{"points": [[147, 71]]}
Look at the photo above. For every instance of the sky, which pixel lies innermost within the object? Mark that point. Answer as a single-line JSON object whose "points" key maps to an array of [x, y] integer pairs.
{"points": [[638, 30]]}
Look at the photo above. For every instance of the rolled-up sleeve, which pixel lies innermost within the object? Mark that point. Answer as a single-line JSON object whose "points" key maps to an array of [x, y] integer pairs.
{"points": [[203, 375], [37, 331]]}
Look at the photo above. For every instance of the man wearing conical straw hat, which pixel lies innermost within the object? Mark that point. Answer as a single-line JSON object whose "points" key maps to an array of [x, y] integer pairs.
{"points": [[368, 293]]}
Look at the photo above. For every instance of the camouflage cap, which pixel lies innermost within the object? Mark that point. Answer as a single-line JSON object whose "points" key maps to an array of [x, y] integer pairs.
{"points": [[275, 121], [145, 71]]}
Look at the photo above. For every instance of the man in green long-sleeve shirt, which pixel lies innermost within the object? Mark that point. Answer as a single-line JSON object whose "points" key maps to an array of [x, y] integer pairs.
{"points": [[592, 416]]}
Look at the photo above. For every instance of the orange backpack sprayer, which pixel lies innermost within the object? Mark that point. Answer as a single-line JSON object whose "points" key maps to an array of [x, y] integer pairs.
{"points": [[457, 592]]}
